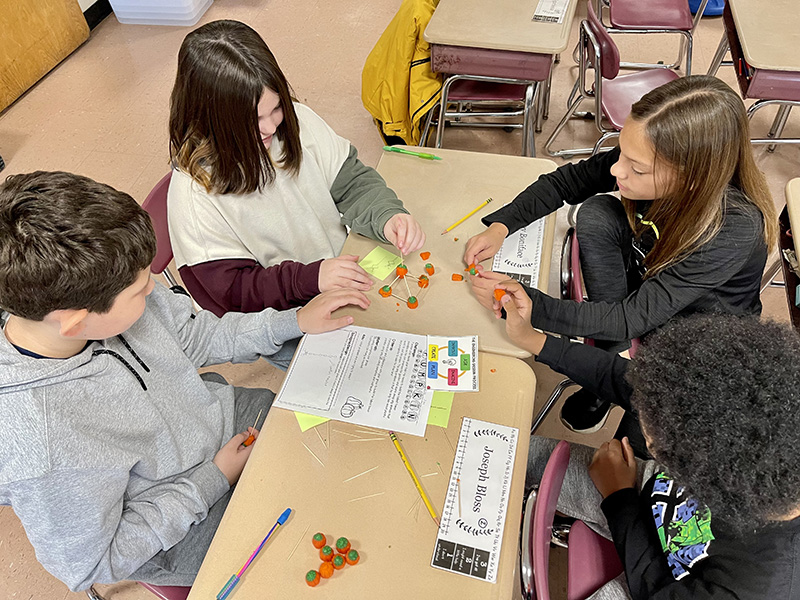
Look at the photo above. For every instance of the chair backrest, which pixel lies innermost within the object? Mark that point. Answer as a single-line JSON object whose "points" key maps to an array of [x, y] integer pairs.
{"points": [[168, 592], [156, 206], [543, 513], [609, 53]]}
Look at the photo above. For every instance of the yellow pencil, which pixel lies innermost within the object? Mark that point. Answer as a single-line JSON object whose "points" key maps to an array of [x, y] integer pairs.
{"points": [[414, 477], [460, 221]]}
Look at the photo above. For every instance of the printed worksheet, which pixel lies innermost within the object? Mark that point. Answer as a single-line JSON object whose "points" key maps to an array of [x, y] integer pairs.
{"points": [[361, 375], [453, 363]]}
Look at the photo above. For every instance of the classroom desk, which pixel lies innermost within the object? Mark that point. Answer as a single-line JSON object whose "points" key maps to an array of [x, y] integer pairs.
{"points": [[498, 25], [394, 537], [769, 33], [438, 193]]}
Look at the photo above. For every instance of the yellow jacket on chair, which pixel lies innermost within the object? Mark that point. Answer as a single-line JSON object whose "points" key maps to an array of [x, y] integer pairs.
{"points": [[397, 84]]}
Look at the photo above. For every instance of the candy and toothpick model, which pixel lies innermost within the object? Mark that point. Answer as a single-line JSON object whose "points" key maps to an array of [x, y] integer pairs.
{"points": [[401, 272]]}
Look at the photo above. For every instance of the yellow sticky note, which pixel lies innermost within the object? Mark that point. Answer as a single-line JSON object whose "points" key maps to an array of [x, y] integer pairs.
{"points": [[306, 422], [441, 405], [380, 263]]}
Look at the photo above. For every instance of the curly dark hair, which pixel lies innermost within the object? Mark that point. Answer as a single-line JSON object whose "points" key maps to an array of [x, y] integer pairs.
{"points": [[719, 400]]}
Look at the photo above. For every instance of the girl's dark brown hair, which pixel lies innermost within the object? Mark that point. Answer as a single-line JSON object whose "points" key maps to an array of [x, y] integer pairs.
{"points": [[699, 130], [223, 69]]}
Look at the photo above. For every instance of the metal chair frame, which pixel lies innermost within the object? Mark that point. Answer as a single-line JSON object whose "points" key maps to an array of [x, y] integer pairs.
{"points": [[685, 48], [579, 93], [532, 110]]}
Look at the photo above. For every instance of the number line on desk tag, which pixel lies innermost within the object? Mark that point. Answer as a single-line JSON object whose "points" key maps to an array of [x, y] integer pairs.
{"points": [[365, 497], [360, 474], [312, 454], [300, 539]]}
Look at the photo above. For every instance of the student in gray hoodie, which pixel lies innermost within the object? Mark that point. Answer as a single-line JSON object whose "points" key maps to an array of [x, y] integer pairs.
{"points": [[116, 455]]}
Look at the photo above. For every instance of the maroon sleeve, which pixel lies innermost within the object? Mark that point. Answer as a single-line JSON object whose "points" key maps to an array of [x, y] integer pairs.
{"points": [[242, 285]]}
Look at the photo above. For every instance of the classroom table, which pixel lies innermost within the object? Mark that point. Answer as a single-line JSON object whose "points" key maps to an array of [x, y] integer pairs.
{"points": [[438, 193], [498, 25], [355, 485], [769, 33]]}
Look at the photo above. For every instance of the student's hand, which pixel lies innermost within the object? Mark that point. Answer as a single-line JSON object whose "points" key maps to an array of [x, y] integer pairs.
{"points": [[315, 317], [613, 467], [404, 233], [518, 306], [483, 287], [486, 244], [343, 272], [232, 457]]}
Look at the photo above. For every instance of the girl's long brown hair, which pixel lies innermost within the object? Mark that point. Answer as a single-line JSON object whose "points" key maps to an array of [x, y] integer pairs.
{"points": [[700, 132], [223, 69]]}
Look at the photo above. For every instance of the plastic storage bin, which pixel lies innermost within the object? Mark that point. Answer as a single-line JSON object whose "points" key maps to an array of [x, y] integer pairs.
{"points": [[160, 12]]}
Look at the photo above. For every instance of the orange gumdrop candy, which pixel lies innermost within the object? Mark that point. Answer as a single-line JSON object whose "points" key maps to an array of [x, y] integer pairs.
{"points": [[326, 553], [385, 291], [429, 269], [498, 294], [312, 578], [458, 277], [423, 281], [319, 540], [424, 255], [401, 271], [326, 570], [412, 302]]}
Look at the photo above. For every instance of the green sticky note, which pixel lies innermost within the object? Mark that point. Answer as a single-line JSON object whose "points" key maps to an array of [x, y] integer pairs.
{"points": [[306, 422], [465, 363], [441, 405], [380, 263]]}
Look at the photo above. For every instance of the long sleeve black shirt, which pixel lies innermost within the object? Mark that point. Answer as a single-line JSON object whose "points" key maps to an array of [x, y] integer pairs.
{"points": [[723, 275], [763, 565]]}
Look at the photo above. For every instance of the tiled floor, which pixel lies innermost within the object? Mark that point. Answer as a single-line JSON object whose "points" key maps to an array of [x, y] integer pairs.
{"points": [[103, 113]]}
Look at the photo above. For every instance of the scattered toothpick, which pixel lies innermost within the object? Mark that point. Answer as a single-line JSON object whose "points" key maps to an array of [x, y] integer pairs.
{"points": [[312, 454], [299, 540], [380, 439], [365, 497], [360, 474], [320, 438], [448, 441], [346, 433], [430, 474], [414, 505]]}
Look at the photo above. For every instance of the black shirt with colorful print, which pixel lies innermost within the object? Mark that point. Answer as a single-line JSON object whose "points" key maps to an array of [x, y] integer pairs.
{"points": [[669, 544]]}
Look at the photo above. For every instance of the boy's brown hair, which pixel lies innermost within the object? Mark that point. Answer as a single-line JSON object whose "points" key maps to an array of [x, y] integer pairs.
{"points": [[68, 242]]}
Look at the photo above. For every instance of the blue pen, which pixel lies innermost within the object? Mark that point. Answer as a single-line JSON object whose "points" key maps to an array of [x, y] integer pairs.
{"points": [[225, 591]]}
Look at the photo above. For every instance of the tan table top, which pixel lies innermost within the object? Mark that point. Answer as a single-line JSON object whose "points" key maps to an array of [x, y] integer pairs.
{"points": [[394, 538], [438, 193], [498, 25], [769, 33], [793, 203]]}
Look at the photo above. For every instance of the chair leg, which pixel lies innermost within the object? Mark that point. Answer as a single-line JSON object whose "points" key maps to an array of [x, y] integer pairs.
{"points": [[689, 40], [606, 136], [551, 401], [529, 119], [718, 55], [778, 124], [93, 594], [426, 131], [443, 110], [561, 124]]}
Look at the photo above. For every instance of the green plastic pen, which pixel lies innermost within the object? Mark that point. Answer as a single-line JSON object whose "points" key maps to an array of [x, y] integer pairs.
{"points": [[424, 155]]}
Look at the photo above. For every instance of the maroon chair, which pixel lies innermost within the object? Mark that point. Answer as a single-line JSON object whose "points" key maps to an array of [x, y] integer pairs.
{"points": [[613, 94], [156, 206], [592, 560], [663, 16]]}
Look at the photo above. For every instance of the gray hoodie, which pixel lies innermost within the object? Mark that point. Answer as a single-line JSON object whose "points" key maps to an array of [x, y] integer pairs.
{"points": [[106, 456]]}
